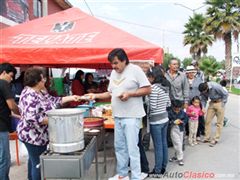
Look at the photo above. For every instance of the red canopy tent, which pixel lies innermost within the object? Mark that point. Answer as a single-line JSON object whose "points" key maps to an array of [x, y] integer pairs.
{"points": [[68, 39]]}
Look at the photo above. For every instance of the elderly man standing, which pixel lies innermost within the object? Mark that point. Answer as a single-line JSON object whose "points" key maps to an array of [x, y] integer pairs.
{"points": [[178, 81], [218, 97], [195, 78], [128, 83]]}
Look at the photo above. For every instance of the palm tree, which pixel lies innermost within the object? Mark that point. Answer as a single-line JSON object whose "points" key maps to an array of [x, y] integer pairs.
{"points": [[209, 65], [186, 62], [223, 21], [196, 37]]}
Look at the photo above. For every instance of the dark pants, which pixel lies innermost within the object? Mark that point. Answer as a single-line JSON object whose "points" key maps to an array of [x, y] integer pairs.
{"points": [[169, 140], [146, 141], [143, 157], [34, 153], [201, 126], [186, 129]]}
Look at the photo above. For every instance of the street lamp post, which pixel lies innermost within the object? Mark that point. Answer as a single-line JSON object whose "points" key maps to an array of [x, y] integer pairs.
{"points": [[193, 10]]}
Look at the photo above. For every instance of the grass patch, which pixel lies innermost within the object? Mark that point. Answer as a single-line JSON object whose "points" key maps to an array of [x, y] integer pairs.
{"points": [[235, 91]]}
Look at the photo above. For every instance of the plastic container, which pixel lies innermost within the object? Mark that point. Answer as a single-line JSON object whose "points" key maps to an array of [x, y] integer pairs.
{"points": [[86, 110]]}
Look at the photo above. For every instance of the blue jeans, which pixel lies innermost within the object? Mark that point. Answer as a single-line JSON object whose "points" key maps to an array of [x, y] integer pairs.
{"points": [[34, 153], [5, 158], [126, 146], [159, 136]]}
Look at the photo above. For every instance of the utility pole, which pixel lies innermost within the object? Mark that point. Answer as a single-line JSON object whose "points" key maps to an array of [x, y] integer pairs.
{"points": [[193, 12]]}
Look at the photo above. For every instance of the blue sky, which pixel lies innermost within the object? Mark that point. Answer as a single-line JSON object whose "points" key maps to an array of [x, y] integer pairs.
{"points": [[165, 18]]}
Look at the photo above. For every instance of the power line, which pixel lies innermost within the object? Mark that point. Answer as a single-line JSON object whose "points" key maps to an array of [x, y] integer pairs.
{"points": [[186, 7], [132, 23], [142, 25], [88, 7]]}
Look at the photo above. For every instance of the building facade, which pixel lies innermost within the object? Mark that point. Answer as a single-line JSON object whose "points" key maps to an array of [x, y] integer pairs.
{"points": [[13, 12]]}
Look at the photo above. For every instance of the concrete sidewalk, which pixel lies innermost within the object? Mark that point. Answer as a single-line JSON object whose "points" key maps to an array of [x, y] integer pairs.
{"points": [[221, 161]]}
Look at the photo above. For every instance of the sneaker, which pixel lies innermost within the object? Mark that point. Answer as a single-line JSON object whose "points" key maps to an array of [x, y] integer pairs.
{"points": [[195, 143], [153, 174], [180, 163], [143, 175], [213, 143], [117, 177], [173, 159], [163, 170], [198, 139]]}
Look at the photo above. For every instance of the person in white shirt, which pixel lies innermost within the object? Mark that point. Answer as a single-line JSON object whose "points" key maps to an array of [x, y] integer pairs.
{"points": [[128, 84]]}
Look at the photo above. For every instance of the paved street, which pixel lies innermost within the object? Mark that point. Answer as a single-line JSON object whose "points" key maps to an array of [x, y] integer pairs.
{"points": [[221, 161]]}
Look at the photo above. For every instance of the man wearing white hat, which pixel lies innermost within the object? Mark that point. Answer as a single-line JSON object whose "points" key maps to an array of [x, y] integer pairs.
{"points": [[194, 82], [194, 79]]}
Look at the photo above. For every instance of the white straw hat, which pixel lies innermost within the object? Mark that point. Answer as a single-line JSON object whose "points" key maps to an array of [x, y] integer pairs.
{"points": [[191, 69]]}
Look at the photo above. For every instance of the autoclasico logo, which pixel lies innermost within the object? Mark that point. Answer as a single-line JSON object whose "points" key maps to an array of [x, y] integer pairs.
{"points": [[185, 175]]}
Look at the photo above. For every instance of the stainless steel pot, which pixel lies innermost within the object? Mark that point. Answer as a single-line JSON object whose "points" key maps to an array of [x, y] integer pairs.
{"points": [[65, 130]]}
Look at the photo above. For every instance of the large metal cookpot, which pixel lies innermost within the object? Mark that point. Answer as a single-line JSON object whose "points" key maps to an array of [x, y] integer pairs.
{"points": [[66, 130]]}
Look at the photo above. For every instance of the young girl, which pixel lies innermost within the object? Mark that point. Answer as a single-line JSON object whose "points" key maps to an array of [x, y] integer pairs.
{"points": [[193, 112]]}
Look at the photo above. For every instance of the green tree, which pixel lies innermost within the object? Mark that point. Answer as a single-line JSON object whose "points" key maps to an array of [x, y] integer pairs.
{"points": [[223, 21], [223, 62], [167, 58], [209, 65], [196, 37], [186, 62]]}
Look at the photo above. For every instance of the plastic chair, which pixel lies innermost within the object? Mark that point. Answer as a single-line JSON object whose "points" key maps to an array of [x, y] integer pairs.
{"points": [[13, 136]]}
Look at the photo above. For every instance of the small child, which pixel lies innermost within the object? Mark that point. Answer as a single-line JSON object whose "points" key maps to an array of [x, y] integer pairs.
{"points": [[177, 118], [224, 84], [193, 112]]}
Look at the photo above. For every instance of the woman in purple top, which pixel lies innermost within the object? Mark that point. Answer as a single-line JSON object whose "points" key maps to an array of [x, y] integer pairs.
{"points": [[33, 129]]}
